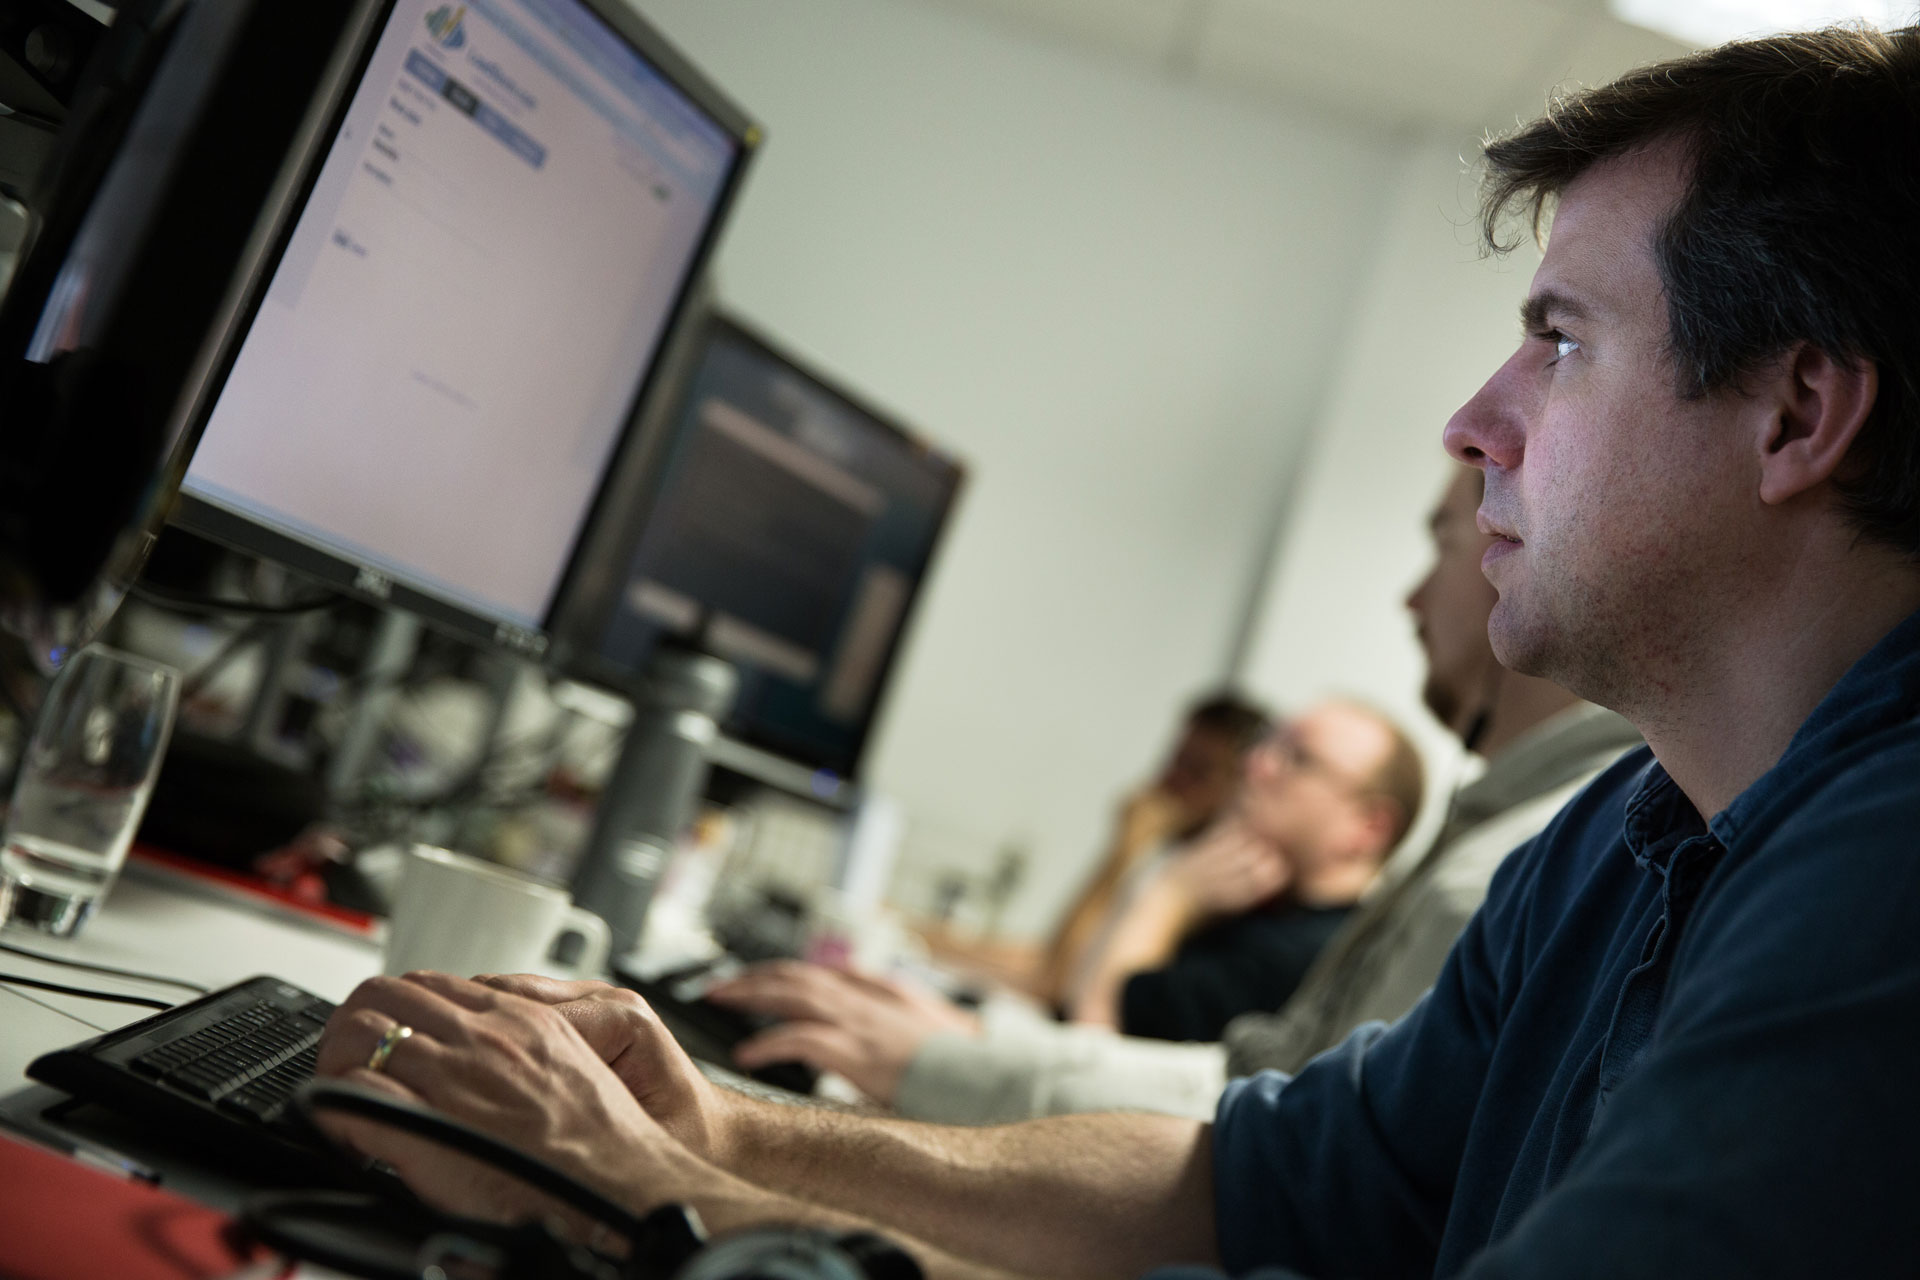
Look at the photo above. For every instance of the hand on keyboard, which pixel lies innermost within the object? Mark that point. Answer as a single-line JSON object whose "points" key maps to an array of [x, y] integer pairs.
{"points": [[520, 1070], [628, 1036], [864, 1028]]}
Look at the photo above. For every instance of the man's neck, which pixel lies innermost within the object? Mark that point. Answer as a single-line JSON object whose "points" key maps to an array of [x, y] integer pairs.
{"points": [[1520, 704], [1728, 718]]}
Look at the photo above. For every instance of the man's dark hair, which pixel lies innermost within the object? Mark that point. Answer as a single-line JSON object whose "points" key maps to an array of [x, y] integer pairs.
{"points": [[1800, 222], [1231, 716]]}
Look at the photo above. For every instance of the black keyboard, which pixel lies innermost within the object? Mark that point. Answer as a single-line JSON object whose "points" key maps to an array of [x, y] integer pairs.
{"points": [[219, 1071]]}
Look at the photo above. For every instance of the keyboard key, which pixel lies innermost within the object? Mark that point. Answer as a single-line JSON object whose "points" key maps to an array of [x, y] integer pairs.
{"points": [[201, 1081], [157, 1062], [247, 1102]]}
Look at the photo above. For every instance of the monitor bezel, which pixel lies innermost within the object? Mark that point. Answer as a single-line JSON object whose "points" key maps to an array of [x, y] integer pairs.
{"points": [[373, 583], [153, 58], [579, 657]]}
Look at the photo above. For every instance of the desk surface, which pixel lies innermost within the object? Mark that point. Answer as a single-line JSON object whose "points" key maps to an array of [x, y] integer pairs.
{"points": [[153, 923]]}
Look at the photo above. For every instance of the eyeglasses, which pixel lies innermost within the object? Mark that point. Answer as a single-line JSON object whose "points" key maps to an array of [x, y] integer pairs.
{"points": [[1294, 753]]}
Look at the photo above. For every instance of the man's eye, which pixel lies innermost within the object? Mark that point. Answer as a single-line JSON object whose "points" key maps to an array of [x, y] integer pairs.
{"points": [[1563, 346]]}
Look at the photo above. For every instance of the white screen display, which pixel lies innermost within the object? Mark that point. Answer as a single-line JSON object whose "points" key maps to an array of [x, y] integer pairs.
{"points": [[447, 351]]}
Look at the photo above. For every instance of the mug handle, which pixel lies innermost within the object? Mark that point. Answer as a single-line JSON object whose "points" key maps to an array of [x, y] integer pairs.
{"points": [[596, 943]]}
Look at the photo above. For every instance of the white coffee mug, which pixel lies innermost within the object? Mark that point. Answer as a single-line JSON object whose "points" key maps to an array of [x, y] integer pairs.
{"points": [[463, 916]]}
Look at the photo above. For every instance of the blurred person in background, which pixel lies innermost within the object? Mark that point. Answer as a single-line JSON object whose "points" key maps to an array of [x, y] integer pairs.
{"points": [[1232, 921], [1228, 924], [1191, 790], [1541, 744]]}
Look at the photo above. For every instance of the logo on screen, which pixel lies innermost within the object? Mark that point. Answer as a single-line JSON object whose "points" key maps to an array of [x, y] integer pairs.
{"points": [[447, 25]]}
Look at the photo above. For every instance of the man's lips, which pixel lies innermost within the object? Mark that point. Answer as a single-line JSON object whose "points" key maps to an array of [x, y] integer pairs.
{"points": [[1505, 542], [1492, 528]]}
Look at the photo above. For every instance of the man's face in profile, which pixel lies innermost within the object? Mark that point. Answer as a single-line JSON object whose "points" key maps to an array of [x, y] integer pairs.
{"points": [[1306, 783], [1619, 508], [1450, 607]]}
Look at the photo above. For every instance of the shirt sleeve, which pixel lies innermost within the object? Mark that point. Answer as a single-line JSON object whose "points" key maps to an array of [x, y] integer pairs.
{"points": [[956, 1079], [1348, 1167]]}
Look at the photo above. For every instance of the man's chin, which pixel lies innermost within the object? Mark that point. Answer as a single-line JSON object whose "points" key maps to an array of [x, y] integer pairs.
{"points": [[1517, 645], [1441, 700]]}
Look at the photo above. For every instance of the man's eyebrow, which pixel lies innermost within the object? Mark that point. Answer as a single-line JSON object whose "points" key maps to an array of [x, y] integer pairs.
{"points": [[1535, 310]]}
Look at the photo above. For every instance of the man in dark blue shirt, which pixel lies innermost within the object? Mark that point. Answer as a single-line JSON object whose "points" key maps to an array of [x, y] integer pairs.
{"points": [[1682, 1038]]}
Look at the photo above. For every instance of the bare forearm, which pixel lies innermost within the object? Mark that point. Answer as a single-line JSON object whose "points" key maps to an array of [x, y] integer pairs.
{"points": [[1136, 837], [1107, 1195], [1145, 938], [1016, 964], [1077, 932]]}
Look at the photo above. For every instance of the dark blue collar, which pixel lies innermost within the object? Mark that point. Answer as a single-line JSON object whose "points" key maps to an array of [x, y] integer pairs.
{"points": [[1879, 691]]}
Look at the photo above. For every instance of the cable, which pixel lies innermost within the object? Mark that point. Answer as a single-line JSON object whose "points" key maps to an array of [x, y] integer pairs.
{"points": [[102, 968], [113, 997], [379, 1236], [54, 1008], [182, 602], [199, 679], [355, 1100], [470, 787]]}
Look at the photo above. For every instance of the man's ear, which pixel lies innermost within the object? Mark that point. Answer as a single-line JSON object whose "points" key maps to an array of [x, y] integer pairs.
{"points": [[1817, 405]]}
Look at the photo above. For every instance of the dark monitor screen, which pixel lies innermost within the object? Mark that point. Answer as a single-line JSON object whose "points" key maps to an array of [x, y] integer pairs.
{"points": [[429, 398], [790, 531]]}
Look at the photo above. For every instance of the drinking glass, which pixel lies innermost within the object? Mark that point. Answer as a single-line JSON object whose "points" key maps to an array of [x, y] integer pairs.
{"points": [[83, 784]]}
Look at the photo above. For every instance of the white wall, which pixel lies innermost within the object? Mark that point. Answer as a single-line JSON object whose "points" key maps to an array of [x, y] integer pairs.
{"points": [[1436, 318], [1118, 299]]}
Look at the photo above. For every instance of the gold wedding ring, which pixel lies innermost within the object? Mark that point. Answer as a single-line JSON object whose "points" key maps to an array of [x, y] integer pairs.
{"points": [[377, 1060]]}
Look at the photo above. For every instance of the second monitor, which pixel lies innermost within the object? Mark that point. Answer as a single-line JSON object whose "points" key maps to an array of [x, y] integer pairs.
{"points": [[788, 530]]}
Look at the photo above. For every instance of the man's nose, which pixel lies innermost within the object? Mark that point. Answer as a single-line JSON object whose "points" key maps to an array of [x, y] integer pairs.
{"points": [[1414, 602], [1490, 429]]}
